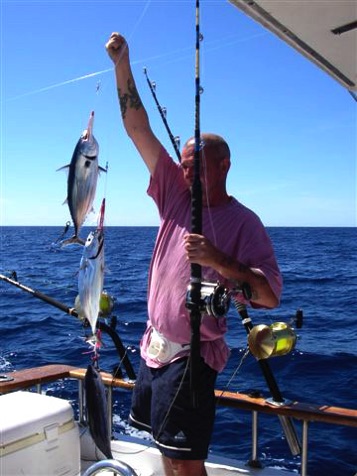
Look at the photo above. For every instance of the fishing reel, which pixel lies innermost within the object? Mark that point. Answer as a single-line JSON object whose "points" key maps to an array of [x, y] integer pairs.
{"points": [[274, 340], [214, 299], [279, 338]]}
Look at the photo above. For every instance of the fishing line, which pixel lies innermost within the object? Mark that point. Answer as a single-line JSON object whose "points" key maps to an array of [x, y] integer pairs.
{"points": [[105, 190], [172, 54], [62, 83], [136, 25], [234, 374], [85, 76], [174, 398], [118, 371], [174, 58], [99, 87], [99, 84], [161, 428], [145, 9]]}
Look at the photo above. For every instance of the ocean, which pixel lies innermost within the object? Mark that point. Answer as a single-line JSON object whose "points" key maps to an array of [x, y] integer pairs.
{"points": [[320, 278]]}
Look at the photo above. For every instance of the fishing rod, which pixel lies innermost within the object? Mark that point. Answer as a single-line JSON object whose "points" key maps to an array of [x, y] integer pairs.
{"points": [[220, 296], [193, 300], [277, 398], [72, 312], [174, 140]]}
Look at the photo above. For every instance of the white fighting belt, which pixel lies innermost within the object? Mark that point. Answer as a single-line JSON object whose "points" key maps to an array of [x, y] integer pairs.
{"points": [[162, 349]]}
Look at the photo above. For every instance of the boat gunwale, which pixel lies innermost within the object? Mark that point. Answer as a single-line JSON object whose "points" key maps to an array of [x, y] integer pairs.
{"points": [[27, 378]]}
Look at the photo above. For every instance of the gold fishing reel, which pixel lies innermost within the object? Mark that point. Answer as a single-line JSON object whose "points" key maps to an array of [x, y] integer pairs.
{"points": [[106, 305], [271, 341]]}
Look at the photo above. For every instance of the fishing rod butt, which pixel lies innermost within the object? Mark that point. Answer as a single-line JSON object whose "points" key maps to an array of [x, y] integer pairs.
{"points": [[290, 435]]}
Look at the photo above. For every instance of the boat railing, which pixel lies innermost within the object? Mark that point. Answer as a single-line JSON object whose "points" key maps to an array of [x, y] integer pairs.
{"points": [[304, 412], [118, 467]]}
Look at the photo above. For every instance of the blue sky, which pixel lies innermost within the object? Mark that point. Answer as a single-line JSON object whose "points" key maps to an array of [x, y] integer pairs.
{"points": [[291, 128]]}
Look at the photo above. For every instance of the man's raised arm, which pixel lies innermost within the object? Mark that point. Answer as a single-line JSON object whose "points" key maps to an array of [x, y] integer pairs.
{"points": [[134, 115]]}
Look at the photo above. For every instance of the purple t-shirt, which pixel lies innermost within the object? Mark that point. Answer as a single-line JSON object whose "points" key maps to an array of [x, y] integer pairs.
{"points": [[233, 228]]}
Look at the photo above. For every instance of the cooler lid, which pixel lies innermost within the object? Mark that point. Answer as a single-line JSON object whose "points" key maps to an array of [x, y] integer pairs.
{"points": [[27, 413]]}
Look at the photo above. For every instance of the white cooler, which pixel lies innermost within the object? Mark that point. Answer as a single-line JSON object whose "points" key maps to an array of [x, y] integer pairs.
{"points": [[38, 436]]}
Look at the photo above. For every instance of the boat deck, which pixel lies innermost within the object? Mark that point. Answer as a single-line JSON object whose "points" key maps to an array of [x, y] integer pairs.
{"points": [[146, 461]]}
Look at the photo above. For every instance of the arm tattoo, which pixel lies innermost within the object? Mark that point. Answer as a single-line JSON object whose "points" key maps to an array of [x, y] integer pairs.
{"points": [[242, 268], [130, 99], [227, 262], [123, 99]]}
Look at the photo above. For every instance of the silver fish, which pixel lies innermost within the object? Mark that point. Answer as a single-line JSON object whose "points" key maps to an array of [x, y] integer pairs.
{"points": [[82, 179], [91, 274]]}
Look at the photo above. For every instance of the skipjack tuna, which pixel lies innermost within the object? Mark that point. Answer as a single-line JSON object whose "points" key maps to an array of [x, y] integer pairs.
{"points": [[97, 410], [91, 274], [82, 179]]}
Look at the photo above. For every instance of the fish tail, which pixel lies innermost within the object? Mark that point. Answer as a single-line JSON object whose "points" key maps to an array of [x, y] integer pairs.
{"points": [[95, 343], [75, 239]]}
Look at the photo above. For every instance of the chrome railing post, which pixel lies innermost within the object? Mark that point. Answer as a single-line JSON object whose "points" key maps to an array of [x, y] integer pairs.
{"points": [[305, 428], [81, 400], [254, 461], [110, 410], [254, 436]]}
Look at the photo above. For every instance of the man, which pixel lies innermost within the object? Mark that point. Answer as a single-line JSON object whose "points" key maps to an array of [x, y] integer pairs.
{"points": [[233, 249]]}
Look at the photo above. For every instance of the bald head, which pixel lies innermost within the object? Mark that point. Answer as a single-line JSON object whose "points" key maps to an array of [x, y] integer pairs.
{"points": [[215, 159], [213, 143]]}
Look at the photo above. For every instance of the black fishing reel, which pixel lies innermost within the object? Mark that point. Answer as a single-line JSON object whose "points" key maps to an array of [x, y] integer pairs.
{"points": [[214, 299]]}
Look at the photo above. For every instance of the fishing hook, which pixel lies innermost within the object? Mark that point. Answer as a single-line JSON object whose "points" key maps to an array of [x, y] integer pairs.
{"points": [[64, 232]]}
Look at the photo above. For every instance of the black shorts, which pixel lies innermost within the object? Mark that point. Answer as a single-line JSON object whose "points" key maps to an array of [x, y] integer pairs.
{"points": [[162, 405]]}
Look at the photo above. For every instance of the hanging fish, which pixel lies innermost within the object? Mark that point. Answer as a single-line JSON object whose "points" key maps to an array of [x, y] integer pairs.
{"points": [[91, 274], [82, 180], [97, 410]]}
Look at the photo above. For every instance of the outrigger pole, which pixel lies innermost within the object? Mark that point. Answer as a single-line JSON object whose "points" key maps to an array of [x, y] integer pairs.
{"points": [[194, 294], [162, 111], [72, 311]]}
